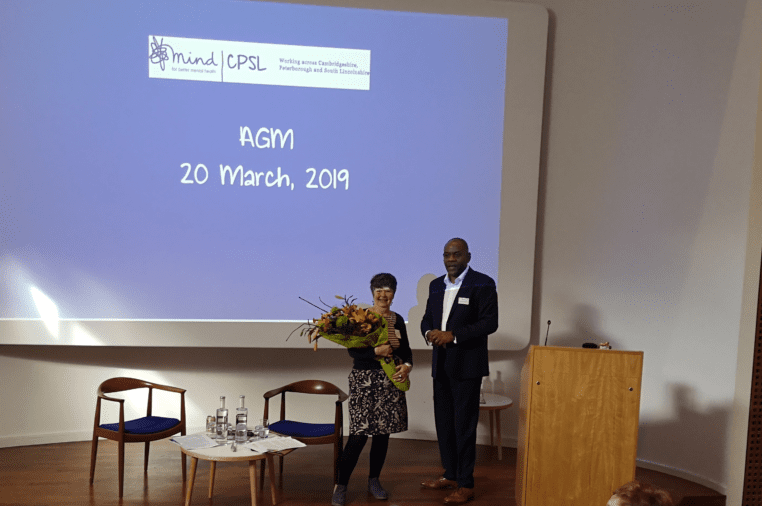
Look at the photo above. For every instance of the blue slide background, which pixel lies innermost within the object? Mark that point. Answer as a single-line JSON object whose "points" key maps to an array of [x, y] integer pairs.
{"points": [[94, 213]]}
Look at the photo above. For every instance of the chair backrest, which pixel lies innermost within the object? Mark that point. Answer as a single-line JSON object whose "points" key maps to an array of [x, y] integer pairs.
{"points": [[313, 387], [308, 387], [305, 387], [122, 384]]}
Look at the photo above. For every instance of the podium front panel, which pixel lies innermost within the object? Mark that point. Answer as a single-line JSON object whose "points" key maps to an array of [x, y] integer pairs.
{"points": [[580, 426]]}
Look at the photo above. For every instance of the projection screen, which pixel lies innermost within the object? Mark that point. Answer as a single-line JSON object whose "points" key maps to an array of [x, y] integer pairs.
{"points": [[179, 173]]}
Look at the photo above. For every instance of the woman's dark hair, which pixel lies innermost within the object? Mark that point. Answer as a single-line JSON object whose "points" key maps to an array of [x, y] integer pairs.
{"points": [[383, 279], [636, 493]]}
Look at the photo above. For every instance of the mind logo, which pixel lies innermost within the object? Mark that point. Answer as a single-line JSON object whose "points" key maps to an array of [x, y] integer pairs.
{"points": [[159, 52]]}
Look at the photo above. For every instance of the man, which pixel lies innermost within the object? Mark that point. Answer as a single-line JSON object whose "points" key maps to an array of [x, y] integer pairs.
{"points": [[460, 313]]}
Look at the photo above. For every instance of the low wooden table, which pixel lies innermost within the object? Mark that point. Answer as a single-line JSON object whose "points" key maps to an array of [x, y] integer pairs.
{"points": [[225, 454], [495, 404]]}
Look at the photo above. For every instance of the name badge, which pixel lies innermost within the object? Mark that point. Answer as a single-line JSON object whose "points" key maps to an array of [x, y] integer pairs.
{"points": [[463, 300]]}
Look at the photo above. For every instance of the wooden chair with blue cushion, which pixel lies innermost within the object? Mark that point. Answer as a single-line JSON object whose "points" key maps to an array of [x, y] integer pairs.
{"points": [[141, 430], [311, 433]]}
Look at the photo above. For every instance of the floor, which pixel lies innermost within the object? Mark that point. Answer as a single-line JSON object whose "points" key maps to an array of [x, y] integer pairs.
{"points": [[58, 474]]}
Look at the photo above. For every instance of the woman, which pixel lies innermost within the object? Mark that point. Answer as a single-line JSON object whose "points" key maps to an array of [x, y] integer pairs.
{"points": [[376, 407]]}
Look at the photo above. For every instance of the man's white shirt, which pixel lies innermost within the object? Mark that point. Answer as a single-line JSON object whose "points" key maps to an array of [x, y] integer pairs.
{"points": [[451, 291]]}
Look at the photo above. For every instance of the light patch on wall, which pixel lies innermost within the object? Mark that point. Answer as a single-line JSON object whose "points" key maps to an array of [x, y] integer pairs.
{"points": [[47, 309], [81, 337]]}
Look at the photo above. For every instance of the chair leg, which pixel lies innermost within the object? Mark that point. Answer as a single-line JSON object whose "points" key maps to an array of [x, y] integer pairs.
{"points": [[145, 462], [120, 460], [93, 455], [182, 433]]}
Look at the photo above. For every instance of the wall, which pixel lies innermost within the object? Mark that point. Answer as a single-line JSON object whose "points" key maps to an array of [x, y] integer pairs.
{"points": [[643, 241], [738, 435], [650, 145]]}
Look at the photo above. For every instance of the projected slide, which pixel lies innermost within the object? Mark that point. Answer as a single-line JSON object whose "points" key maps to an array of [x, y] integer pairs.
{"points": [[216, 160]]}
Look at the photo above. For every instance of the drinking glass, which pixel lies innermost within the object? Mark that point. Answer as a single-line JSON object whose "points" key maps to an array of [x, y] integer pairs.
{"points": [[210, 424], [241, 434], [264, 430], [222, 431]]}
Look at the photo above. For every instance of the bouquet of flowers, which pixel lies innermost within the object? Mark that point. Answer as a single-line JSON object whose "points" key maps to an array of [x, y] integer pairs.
{"points": [[352, 327]]}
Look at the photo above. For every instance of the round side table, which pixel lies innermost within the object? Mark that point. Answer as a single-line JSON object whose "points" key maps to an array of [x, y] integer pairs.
{"points": [[224, 454], [494, 405]]}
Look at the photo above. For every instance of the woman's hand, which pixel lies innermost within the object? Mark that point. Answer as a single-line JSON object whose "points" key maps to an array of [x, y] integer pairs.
{"points": [[385, 350], [402, 373]]}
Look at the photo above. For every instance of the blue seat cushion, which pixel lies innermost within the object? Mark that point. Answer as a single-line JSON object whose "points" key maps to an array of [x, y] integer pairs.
{"points": [[302, 429], [145, 425]]}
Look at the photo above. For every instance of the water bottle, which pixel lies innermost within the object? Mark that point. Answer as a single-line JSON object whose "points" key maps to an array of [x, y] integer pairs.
{"points": [[241, 413], [241, 417], [222, 420]]}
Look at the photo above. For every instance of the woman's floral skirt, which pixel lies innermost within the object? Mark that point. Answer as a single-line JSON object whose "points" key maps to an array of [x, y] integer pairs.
{"points": [[376, 406]]}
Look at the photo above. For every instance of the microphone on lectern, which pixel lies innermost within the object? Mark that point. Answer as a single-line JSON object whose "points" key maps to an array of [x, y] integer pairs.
{"points": [[546, 333]]}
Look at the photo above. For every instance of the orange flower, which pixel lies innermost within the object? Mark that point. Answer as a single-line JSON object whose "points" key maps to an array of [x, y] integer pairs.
{"points": [[359, 316]]}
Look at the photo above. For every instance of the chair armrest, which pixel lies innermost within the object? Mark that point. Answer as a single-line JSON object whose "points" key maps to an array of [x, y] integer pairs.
{"points": [[98, 411], [113, 399], [274, 392], [169, 388], [269, 395], [166, 388]]}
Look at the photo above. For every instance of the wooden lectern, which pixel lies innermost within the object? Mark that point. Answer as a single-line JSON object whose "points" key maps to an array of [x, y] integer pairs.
{"points": [[578, 425]]}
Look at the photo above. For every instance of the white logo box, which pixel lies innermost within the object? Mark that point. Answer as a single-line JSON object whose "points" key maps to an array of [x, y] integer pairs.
{"points": [[258, 63]]}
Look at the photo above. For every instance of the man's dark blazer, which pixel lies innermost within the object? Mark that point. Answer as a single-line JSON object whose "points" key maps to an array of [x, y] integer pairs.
{"points": [[470, 323]]}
